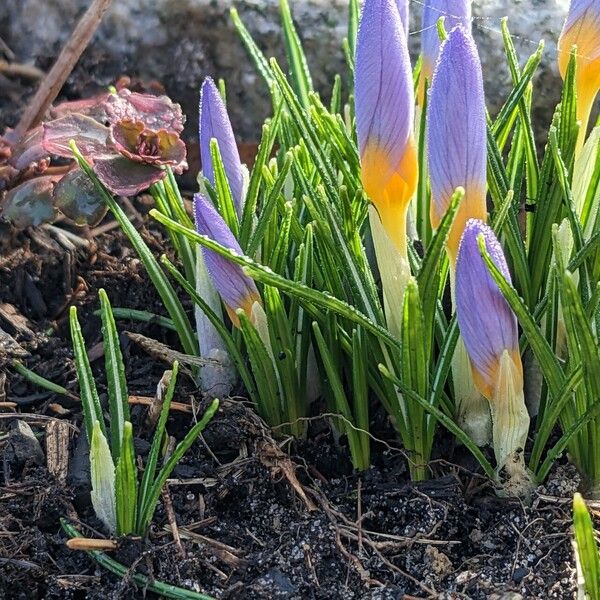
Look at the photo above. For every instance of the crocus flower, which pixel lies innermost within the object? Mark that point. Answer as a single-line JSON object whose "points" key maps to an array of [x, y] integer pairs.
{"points": [[214, 123], [455, 12], [384, 116], [582, 29], [456, 134], [489, 330], [237, 290]]}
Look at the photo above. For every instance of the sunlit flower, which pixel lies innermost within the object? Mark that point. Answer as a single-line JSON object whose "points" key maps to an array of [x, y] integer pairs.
{"points": [[489, 330], [237, 290], [384, 100], [384, 116], [456, 134], [455, 12], [215, 123], [582, 29]]}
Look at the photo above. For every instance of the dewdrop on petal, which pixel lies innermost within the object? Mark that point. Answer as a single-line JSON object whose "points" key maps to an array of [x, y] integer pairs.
{"points": [[489, 330]]}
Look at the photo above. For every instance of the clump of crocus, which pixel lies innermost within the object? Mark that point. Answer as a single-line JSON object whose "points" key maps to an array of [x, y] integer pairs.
{"points": [[456, 153], [490, 333], [128, 137], [384, 122], [582, 29], [454, 12], [215, 124]]}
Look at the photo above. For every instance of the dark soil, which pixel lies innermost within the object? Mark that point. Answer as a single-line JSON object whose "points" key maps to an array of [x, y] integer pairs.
{"points": [[258, 517]]}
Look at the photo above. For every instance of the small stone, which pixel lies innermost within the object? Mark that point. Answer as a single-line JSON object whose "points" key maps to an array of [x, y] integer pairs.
{"points": [[23, 447], [519, 574], [440, 563], [464, 577]]}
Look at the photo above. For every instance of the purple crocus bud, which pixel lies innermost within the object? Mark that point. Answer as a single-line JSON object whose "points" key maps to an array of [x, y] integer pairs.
{"points": [[236, 289], [582, 29], [487, 324], [489, 331], [456, 134], [215, 123], [455, 12], [384, 115]]}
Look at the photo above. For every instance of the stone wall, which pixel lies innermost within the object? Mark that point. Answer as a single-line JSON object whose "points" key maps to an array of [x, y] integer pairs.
{"points": [[178, 42]]}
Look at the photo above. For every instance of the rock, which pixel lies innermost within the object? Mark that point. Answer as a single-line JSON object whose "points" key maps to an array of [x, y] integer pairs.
{"points": [[439, 562], [178, 42], [23, 447], [276, 583]]}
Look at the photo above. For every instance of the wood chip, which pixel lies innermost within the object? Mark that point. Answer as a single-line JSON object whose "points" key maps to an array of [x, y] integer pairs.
{"points": [[57, 449], [87, 544]]}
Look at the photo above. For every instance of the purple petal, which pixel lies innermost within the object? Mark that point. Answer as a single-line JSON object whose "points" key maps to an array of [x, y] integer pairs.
{"points": [[215, 123], [155, 112], [89, 135], [125, 177], [404, 16], [456, 132], [582, 9], [236, 289], [384, 87], [487, 324], [455, 12]]}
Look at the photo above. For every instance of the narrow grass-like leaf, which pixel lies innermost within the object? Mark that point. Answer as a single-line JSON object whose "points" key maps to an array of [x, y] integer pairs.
{"points": [[145, 493], [90, 401], [443, 419], [258, 58], [342, 405], [143, 316], [167, 469], [299, 70], [118, 396], [264, 372], [587, 548], [126, 484]]}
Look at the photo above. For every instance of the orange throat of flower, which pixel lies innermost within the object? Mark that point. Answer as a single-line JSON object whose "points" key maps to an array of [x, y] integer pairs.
{"points": [[489, 386], [246, 305], [390, 188], [472, 206]]}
